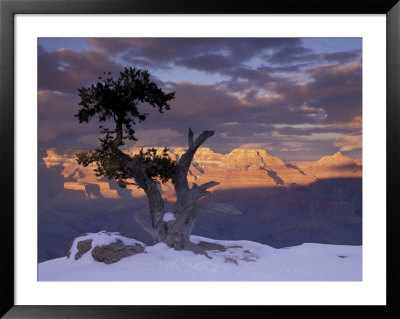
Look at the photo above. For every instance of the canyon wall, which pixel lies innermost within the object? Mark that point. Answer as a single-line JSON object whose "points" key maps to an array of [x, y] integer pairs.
{"points": [[241, 168]]}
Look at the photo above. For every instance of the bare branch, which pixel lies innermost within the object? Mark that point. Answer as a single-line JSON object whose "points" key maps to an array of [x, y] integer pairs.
{"points": [[190, 138], [207, 185], [202, 138], [200, 191], [181, 185]]}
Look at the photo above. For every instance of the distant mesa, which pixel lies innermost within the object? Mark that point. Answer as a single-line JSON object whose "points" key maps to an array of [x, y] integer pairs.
{"points": [[241, 168], [336, 159], [335, 166]]}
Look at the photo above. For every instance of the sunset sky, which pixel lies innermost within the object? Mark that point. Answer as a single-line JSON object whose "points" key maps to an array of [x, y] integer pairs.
{"points": [[297, 98]]}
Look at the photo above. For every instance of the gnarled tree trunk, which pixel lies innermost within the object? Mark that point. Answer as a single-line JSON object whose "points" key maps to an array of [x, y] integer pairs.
{"points": [[176, 233]]}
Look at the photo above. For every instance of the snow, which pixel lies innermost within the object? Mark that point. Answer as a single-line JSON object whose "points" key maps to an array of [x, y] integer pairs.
{"points": [[254, 262], [101, 238], [168, 216]]}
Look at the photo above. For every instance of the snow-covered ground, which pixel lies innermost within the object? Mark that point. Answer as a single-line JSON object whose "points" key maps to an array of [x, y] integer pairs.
{"points": [[242, 261]]}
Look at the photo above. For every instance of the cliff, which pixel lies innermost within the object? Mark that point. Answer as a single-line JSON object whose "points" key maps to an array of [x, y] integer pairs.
{"points": [[241, 168]]}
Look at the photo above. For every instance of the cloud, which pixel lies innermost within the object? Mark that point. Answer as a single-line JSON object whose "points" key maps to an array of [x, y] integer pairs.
{"points": [[342, 56], [290, 54], [158, 137], [209, 63], [53, 105], [302, 130], [65, 70], [203, 101], [56, 131], [236, 70], [349, 143], [274, 93], [151, 137], [89, 140], [263, 146], [334, 88], [296, 54], [169, 50]]}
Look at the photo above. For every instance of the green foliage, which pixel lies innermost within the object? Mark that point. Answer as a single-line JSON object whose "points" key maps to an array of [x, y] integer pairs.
{"points": [[109, 164], [158, 166], [117, 101], [115, 164]]}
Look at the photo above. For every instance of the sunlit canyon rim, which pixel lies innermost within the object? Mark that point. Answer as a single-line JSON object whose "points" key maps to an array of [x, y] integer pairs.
{"points": [[241, 168]]}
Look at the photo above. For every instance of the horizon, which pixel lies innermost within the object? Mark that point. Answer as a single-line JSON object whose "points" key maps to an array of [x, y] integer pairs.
{"points": [[79, 147]]}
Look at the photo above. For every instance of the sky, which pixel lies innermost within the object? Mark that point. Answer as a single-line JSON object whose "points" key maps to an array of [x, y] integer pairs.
{"points": [[297, 98]]}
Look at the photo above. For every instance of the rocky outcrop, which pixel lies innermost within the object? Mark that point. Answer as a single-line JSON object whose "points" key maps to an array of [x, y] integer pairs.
{"points": [[114, 252], [104, 247], [70, 246], [335, 166], [83, 247], [241, 168]]}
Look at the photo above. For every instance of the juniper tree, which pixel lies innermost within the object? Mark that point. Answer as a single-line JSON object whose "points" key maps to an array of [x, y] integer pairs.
{"points": [[118, 101]]}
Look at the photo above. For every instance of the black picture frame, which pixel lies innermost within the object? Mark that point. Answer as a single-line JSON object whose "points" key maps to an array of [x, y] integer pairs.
{"points": [[9, 8]]}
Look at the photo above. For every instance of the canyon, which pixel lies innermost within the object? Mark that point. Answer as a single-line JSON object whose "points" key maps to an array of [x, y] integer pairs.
{"points": [[241, 168], [281, 203]]}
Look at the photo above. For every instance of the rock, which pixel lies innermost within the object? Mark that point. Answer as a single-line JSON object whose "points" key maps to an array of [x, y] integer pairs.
{"points": [[230, 260], [114, 252], [241, 168], [334, 166], [72, 241], [83, 247], [211, 246], [105, 246]]}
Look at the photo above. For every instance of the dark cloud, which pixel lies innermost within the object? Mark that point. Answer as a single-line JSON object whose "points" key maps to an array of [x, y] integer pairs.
{"points": [[342, 57], [173, 49], [230, 65], [298, 67], [257, 76], [65, 70], [56, 121], [209, 63], [206, 107], [211, 107], [334, 88], [295, 85], [290, 54], [211, 103], [338, 90]]}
